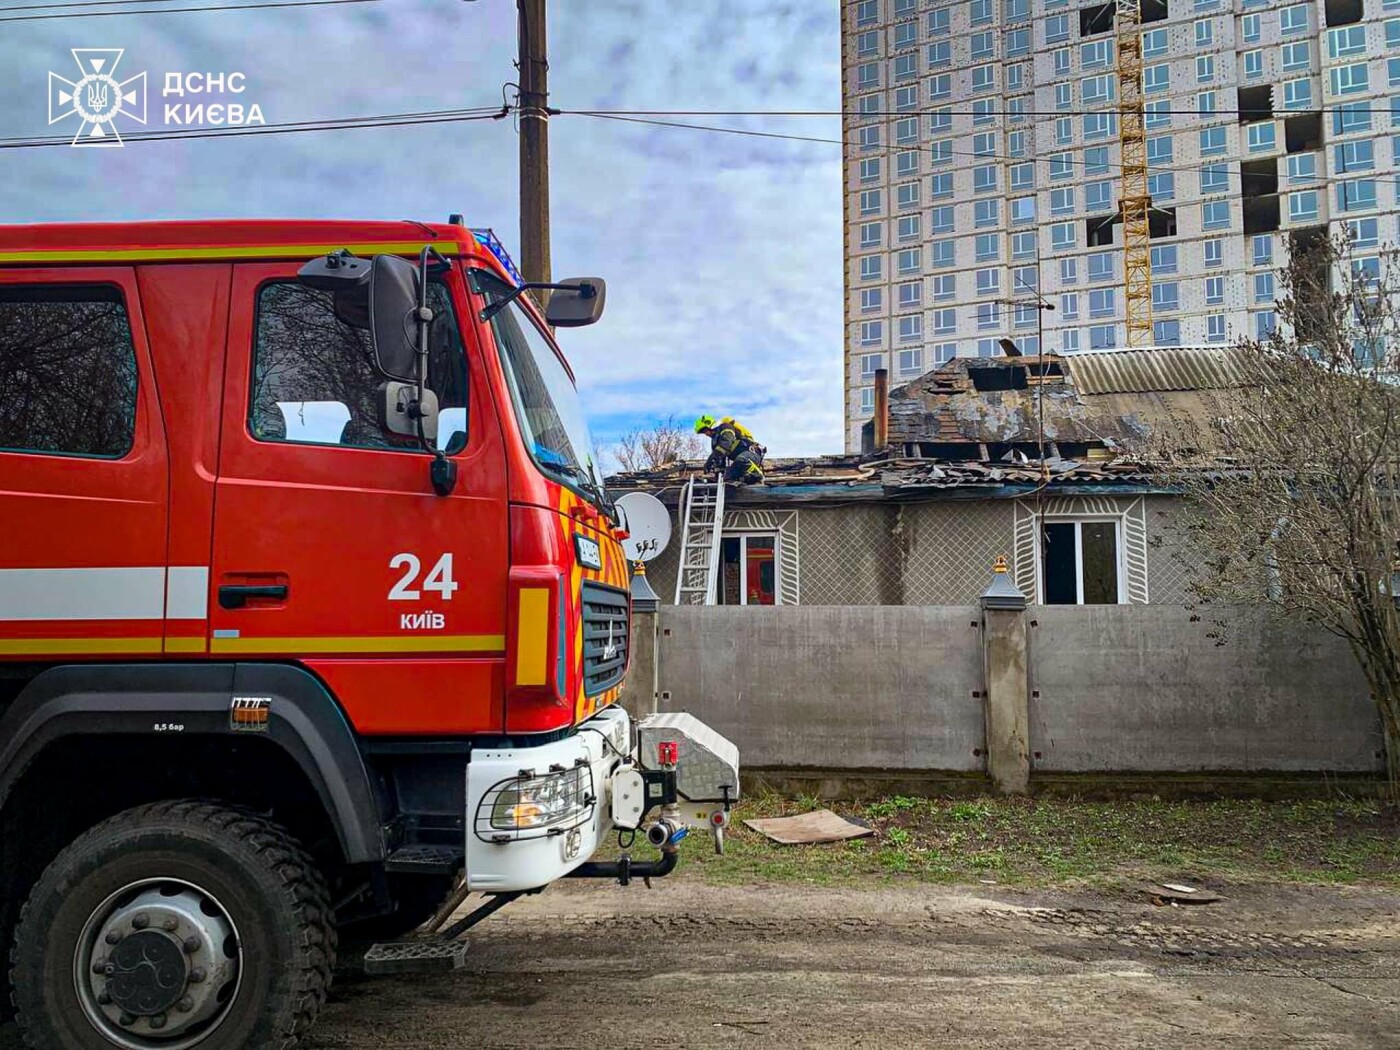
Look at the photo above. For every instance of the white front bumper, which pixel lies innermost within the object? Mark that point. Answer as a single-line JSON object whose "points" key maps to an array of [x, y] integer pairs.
{"points": [[499, 863]]}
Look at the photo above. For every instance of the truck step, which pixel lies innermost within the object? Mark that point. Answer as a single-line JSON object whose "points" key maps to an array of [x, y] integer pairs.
{"points": [[423, 860], [415, 957]]}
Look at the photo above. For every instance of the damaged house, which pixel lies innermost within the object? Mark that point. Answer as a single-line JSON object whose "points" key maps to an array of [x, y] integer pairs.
{"points": [[1034, 459]]}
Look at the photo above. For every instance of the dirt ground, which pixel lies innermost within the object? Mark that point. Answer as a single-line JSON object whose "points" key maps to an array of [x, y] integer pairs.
{"points": [[695, 965], [691, 964]]}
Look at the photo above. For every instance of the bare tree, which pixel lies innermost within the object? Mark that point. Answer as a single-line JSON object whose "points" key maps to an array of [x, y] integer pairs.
{"points": [[649, 449], [1294, 495]]}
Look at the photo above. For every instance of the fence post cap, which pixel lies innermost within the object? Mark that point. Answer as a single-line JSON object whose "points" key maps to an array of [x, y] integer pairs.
{"points": [[1002, 592]]}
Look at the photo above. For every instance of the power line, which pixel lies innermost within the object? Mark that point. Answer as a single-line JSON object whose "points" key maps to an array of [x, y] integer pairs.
{"points": [[887, 115], [180, 10], [390, 120], [989, 157], [83, 3]]}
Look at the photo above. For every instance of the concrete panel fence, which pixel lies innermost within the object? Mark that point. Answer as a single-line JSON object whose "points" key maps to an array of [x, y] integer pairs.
{"points": [[904, 690]]}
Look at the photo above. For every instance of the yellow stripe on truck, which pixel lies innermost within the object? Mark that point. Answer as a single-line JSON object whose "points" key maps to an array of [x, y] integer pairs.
{"points": [[532, 637], [76, 646], [257, 251], [434, 643]]}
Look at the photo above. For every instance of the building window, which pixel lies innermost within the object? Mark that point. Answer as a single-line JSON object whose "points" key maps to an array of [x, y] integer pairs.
{"points": [[940, 120], [1102, 302], [1293, 19], [1265, 324], [941, 153], [1262, 137], [1101, 266], [1157, 114], [910, 295], [867, 400], [911, 328], [869, 137], [1205, 69], [988, 247], [941, 219], [907, 195], [870, 202], [944, 321], [1164, 258], [1069, 271], [1096, 54], [1350, 80], [908, 261], [906, 98], [1062, 201], [1069, 340], [1098, 196], [1346, 40], [1302, 206], [1100, 125], [1214, 252], [1022, 176], [1263, 287], [1022, 210], [1018, 42], [984, 111], [870, 364], [1056, 28], [871, 300], [1363, 233], [870, 169], [1297, 94], [940, 21], [987, 316], [1263, 249], [870, 234], [1215, 291], [1297, 55], [1356, 156], [1254, 64], [1215, 215], [1062, 60], [1103, 337], [944, 352], [1023, 245], [986, 213], [1302, 167], [871, 267], [1154, 43], [1205, 103], [1062, 237], [984, 179], [868, 43], [69, 363], [906, 163], [868, 76], [1215, 328], [940, 253], [1069, 306], [1162, 185], [1205, 32], [871, 105], [906, 67], [906, 34], [906, 131], [945, 288], [1166, 332], [867, 12], [1356, 194], [1249, 29], [911, 362], [941, 186], [984, 78], [1213, 140], [872, 333], [1350, 117], [1096, 160], [1096, 89], [1156, 79], [980, 11], [1166, 295], [989, 282]]}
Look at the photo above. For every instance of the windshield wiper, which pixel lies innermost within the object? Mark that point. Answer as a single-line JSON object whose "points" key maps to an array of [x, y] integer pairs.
{"points": [[588, 484]]}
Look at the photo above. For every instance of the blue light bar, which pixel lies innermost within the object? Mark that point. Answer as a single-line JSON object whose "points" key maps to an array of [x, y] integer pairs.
{"points": [[493, 244]]}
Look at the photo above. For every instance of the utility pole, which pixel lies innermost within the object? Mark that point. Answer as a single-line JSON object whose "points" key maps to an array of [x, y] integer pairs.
{"points": [[534, 144]]}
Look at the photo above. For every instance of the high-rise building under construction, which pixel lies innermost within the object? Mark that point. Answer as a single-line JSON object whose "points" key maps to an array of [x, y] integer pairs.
{"points": [[1000, 156]]}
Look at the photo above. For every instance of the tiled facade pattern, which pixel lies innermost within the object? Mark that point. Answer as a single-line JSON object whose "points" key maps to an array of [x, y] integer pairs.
{"points": [[982, 156]]}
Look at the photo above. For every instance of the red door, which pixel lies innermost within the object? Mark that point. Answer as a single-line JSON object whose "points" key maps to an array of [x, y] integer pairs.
{"points": [[330, 545], [82, 469]]}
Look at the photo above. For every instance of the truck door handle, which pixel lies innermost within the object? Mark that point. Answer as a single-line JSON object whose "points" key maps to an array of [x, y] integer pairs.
{"points": [[236, 595]]}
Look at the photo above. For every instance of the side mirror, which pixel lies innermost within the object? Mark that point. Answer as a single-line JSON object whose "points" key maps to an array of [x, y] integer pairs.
{"points": [[398, 414], [569, 308], [393, 316]]}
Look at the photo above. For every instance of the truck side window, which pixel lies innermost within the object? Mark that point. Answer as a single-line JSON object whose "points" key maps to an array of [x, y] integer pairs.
{"points": [[314, 380], [67, 371]]}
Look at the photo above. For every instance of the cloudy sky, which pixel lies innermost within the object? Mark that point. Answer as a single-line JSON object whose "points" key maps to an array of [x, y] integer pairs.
{"points": [[722, 253]]}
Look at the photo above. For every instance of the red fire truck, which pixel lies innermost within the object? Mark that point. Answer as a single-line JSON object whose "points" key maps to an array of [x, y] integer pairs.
{"points": [[313, 617]]}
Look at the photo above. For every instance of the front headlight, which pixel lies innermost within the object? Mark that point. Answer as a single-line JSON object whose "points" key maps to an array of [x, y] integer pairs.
{"points": [[539, 804]]}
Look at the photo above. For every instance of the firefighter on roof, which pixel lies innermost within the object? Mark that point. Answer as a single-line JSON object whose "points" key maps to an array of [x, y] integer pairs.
{"points": [[732, 450]]}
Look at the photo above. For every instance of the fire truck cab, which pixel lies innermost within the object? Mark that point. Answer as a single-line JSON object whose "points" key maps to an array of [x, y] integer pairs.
{"points": [[313, 617]]}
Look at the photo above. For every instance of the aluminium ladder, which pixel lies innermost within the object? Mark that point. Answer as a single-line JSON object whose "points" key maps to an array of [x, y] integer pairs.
{"points": [[700, 539]]}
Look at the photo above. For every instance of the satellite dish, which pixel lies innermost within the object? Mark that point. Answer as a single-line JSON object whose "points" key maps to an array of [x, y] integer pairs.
{"points": [[648, 524]]}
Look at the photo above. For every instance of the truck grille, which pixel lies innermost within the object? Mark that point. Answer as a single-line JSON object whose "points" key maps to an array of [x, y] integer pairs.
{"points": [[606, 636]]}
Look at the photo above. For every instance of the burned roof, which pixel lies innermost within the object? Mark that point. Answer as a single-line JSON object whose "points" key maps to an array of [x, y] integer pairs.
{"points": [[1106, 399]]}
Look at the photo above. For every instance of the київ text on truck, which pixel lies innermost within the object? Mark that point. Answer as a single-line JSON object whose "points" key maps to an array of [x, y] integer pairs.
{"points": [[313, 617]]}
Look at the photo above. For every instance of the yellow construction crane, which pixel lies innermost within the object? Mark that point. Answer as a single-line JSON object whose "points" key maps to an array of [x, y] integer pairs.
{"points": [[1134, 196]]}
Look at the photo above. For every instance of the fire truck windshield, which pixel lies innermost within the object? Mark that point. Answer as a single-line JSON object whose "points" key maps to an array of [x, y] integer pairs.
{"points": [[546, 402]]}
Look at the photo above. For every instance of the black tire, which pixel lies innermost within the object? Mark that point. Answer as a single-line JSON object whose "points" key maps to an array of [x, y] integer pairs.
{"points": [[269, 888]]}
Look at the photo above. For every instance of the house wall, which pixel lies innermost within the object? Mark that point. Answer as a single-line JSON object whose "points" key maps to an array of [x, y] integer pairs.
{"points": [[939, 553]]}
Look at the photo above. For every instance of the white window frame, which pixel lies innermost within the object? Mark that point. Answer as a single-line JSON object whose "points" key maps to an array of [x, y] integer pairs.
{"points": [[1078, 520], [743, 536]]}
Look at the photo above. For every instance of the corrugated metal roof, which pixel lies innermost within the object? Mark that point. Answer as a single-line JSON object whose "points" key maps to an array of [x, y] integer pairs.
{"points": [[1159, 370]]}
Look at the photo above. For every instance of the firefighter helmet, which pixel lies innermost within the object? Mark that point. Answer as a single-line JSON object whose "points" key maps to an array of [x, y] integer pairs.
{"points": [[704, 423]]}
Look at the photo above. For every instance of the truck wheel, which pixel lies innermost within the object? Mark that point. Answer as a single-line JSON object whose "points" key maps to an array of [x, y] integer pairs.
{"points": [[172, 926]]}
